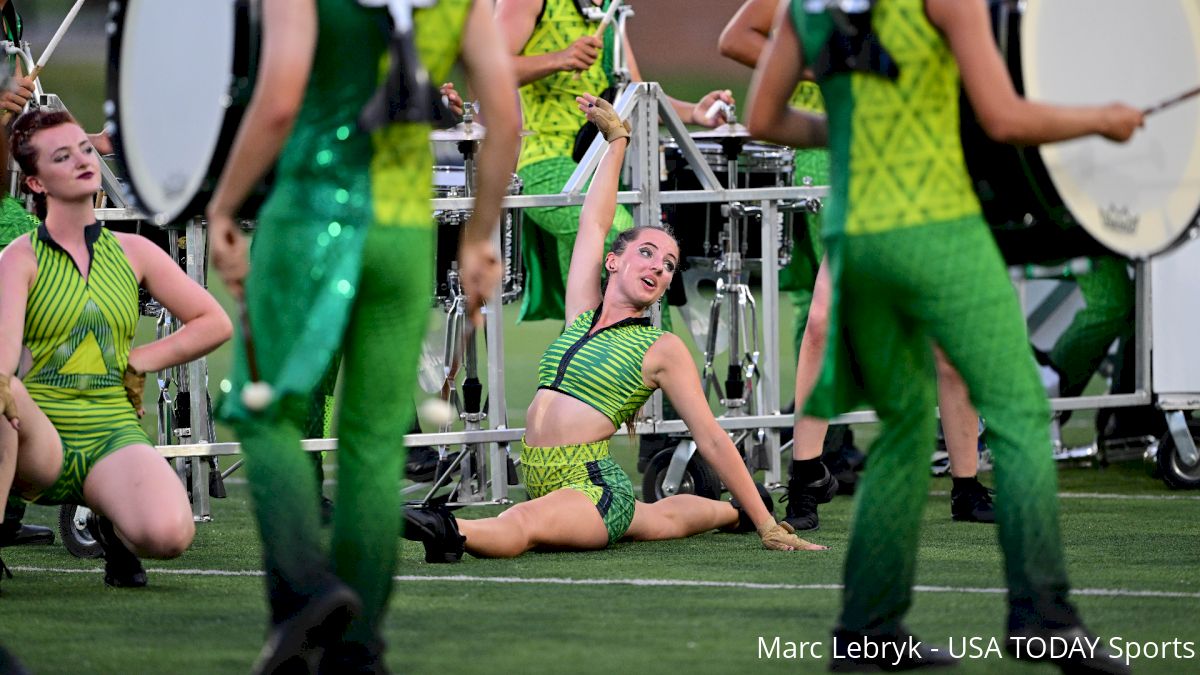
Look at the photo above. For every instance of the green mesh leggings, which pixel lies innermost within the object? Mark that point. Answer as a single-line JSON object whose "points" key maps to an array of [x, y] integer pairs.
{"points": [[895, 292], [380, 348]]}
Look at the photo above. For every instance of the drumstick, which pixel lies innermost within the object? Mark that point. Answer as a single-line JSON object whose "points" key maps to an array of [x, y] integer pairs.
{"points": [[256, 394], [58, 35], [1190, 93], [599, 34]]}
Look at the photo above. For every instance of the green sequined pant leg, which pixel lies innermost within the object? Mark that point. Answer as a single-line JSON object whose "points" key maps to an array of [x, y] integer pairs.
{"points": [[548, 239], [1108, 292], [897, 291], [382, 343]]}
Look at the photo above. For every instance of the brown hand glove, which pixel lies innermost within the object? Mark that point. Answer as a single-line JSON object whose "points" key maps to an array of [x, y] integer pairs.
{"points": [[135, 386], [782, 536], [602, 114], [8, 406]]}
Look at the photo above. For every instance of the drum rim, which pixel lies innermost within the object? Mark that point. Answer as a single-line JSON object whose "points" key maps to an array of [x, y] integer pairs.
{"points": [[246, 19]]}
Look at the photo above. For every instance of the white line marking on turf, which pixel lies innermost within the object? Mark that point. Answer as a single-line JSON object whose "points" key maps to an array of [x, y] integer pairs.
{"points": [[662, 583]]}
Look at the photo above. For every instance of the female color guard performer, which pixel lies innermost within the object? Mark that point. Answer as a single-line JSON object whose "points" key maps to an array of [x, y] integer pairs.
{"points": [[343, 260], [913, 265], [69, 294], [594, 377]]}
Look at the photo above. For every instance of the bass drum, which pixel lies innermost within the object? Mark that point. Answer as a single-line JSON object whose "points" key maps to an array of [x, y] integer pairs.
{"points": [[1091, 196], [180, 75]]}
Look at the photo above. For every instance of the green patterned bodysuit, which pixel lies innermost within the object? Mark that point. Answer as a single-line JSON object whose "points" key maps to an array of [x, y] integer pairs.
{"points": [[913, 263], [342, 260], [79, 332], [548, 109]]}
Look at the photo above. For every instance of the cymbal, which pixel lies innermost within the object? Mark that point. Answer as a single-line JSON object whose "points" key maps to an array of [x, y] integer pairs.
{"points": [[459, 132], [465, 132], [724, 131]]}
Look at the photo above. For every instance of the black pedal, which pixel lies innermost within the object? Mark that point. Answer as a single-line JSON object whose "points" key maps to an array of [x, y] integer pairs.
{"points": [[216, 482], [513, 478]]}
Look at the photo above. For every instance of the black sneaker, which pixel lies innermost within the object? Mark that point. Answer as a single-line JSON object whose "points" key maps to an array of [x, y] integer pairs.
{"points": [[421, 464], [1084, 652], [435, 527], [320, 622], [973, 504], [353, 658], [802, 500], [4, 572], [122, 569], [744, 523], [855, 651], [24, 535]]}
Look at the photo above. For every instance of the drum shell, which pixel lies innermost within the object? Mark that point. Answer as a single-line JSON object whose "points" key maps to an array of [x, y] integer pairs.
{"points": [[698, 227], [448, 182], [1027, 216]]}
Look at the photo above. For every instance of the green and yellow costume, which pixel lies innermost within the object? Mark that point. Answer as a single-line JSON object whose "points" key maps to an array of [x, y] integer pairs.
{"points": [[913, 263], [549, 110], [342, 259], [79, 331], [603, 368]]}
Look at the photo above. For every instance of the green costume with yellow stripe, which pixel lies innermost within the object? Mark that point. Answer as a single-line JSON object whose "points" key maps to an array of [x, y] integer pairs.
{"points": [[342, 260], [79, 331], [549, 110], [912, 263], [603, 368]]}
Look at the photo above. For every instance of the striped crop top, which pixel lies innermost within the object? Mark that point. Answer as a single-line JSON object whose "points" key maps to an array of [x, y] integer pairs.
{"points": [[602, 368]]}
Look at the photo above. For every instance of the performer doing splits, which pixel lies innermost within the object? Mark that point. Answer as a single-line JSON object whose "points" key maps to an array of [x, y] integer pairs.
{"points": [[912, 265], [69, 294], [595, 376], [342, 259]]}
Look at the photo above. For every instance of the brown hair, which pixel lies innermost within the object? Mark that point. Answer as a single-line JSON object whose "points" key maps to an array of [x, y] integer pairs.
{"points": [[626, 237], [25, 152]]}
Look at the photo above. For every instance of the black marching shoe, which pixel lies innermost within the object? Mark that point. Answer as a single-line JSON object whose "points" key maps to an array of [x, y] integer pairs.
{"points": [[295, 643], [856, 652], [971, 501], [122, 569], [4, 572], [24, 535], [435, 527], [1073, 650], [802, 500], [744, 523], [353, 658]]}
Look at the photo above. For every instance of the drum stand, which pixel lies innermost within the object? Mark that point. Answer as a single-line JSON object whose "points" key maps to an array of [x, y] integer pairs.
{"points": [[461, 347]]}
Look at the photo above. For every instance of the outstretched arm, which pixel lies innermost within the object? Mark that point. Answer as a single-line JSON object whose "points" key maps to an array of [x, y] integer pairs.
{"points": [[746, 33], [668, 365], [1004, 115], [780, 69], [289, 37], [599, 209]]}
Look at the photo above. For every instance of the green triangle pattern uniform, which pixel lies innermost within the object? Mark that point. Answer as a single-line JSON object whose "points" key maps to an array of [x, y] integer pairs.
{"points": [[912, 262], [548, 109], [342, 264], [79, 333]]}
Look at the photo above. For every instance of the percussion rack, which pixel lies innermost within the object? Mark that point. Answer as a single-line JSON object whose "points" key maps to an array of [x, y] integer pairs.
{"points": [[646, 104]]}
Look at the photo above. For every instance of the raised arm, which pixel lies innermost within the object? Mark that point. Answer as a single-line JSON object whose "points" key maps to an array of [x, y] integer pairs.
{"points": [[490, 74], [288, 41], [780, 68], [668, 365], [1004, 115], [517, 19], [205, 324], [599, 209], [746, 33]]}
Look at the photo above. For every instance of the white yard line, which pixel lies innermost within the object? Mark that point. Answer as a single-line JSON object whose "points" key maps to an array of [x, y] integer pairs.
{"points": [[652, 583]]}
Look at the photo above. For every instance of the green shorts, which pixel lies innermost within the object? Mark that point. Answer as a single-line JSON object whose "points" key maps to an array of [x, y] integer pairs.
{"points": [[91, 425], [588, 468]]}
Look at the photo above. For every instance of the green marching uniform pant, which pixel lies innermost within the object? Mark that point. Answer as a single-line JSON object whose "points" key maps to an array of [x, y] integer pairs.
{"points": [[550, 238], [895, 292], [1108, 292], [800, 276], [380, 347]]}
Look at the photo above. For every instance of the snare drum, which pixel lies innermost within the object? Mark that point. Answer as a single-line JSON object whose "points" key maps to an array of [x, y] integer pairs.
{"points": [[180, 75], [1091, 196], [698, 227], [450, 181]]}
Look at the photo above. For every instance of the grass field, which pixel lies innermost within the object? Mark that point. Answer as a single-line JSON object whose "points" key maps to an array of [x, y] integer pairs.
{"points": [[697, 605]]}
